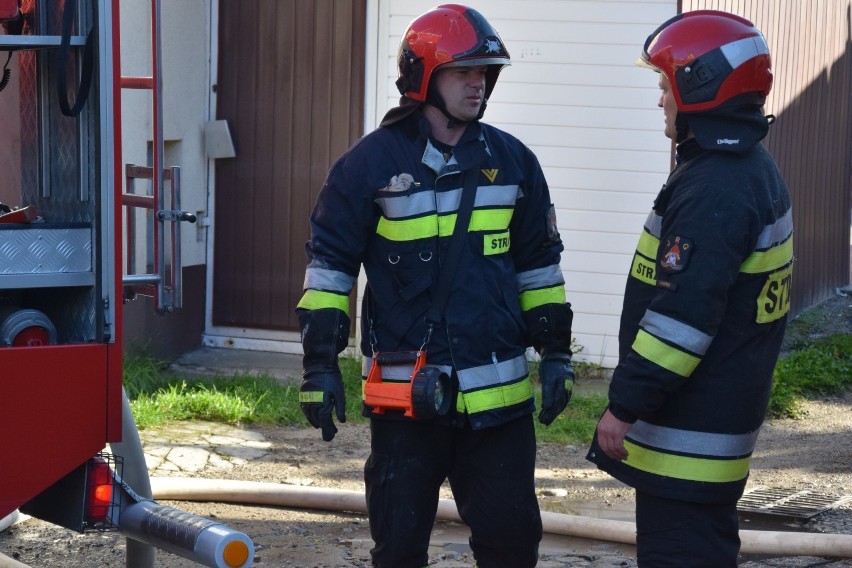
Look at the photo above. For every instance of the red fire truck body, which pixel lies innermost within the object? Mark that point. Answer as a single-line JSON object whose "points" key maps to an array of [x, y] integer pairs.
{"points": [[64, 277], [61, 401]]}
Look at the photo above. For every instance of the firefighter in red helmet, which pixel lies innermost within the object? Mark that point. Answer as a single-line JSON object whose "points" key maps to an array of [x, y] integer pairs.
{"points": [[706, 299], [452, 222], [448, 36]]}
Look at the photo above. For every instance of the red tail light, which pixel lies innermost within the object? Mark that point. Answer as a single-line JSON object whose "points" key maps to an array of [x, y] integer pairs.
{"points": [[99, 491]]}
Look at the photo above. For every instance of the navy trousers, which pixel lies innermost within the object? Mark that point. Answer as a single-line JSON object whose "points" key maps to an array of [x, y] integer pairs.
{"points": [[491, 474], [678, 534]]}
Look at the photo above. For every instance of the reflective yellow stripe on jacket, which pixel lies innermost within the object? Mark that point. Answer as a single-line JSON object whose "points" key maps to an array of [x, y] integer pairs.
{"points": [[712, 458], [495, 385]]}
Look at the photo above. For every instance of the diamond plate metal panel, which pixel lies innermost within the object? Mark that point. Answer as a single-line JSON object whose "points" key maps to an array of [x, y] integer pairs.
{"points": [[45, 251], [29, 124], [74, 311]]}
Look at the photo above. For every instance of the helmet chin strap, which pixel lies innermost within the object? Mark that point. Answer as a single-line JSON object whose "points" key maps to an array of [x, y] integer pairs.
{"points": [[436, 100]]}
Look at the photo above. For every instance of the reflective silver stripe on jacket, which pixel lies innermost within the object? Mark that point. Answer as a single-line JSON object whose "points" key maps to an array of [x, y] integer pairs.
{"points": [[777, 232], [676, 332], [475, 377], [398, 372], [426, 202], [328, 280], [401, 206], [540, 278], [654, 224], [493, 374], [698, 443]]}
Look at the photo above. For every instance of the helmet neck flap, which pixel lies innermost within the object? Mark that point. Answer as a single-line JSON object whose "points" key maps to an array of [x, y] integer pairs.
{"points": [[735, 127]]}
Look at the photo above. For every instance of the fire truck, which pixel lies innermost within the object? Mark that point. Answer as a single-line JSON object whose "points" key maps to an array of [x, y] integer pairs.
{"points": [[71, 213]]}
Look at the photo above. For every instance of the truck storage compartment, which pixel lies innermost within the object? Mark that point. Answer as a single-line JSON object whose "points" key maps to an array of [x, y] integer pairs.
{"points": [[62, 250]]}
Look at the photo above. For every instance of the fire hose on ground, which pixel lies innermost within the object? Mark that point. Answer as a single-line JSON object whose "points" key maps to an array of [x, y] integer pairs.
{"points": [[778, 543]]}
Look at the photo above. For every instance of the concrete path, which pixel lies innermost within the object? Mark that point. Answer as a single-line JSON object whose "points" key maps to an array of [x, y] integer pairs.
{"points": [[208, 361], [191, 447]]}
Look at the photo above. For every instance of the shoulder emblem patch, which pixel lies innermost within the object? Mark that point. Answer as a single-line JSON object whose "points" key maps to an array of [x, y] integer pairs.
{"points": [[552, 229], [677, 252]]}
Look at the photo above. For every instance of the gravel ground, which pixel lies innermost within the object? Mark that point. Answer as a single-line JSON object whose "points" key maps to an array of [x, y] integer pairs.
{"points": [[812, 454]]}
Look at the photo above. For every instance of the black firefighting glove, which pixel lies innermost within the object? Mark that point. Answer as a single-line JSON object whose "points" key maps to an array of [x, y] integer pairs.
{"points": [[325, 333], [320, 393], [549, 332], [557, 381]]}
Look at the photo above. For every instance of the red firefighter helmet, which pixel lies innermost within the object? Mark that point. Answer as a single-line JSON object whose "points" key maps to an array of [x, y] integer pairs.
{"points": [[448, 35], [709, 58]]}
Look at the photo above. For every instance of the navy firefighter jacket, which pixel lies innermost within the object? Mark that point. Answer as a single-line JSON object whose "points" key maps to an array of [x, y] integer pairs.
{"points": [[704, 314], [389, 203]]}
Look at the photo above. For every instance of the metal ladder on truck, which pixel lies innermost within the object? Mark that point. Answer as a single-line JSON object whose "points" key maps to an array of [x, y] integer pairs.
{"points": [[163, 282]]}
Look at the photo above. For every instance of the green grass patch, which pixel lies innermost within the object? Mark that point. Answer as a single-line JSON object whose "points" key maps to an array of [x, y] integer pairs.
{"points": [[821, 367], [143, 374], [575, 425], [158, 396]]}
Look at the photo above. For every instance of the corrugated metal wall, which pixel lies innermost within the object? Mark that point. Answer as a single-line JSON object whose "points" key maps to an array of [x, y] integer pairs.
{"points": [[811, 139]]}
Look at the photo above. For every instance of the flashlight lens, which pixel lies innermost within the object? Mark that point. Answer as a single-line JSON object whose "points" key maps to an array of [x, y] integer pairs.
{"points": [[439, 394]]}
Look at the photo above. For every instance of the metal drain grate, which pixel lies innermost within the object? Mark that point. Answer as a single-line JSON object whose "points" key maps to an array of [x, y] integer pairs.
{"points": [[788, 502]]}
